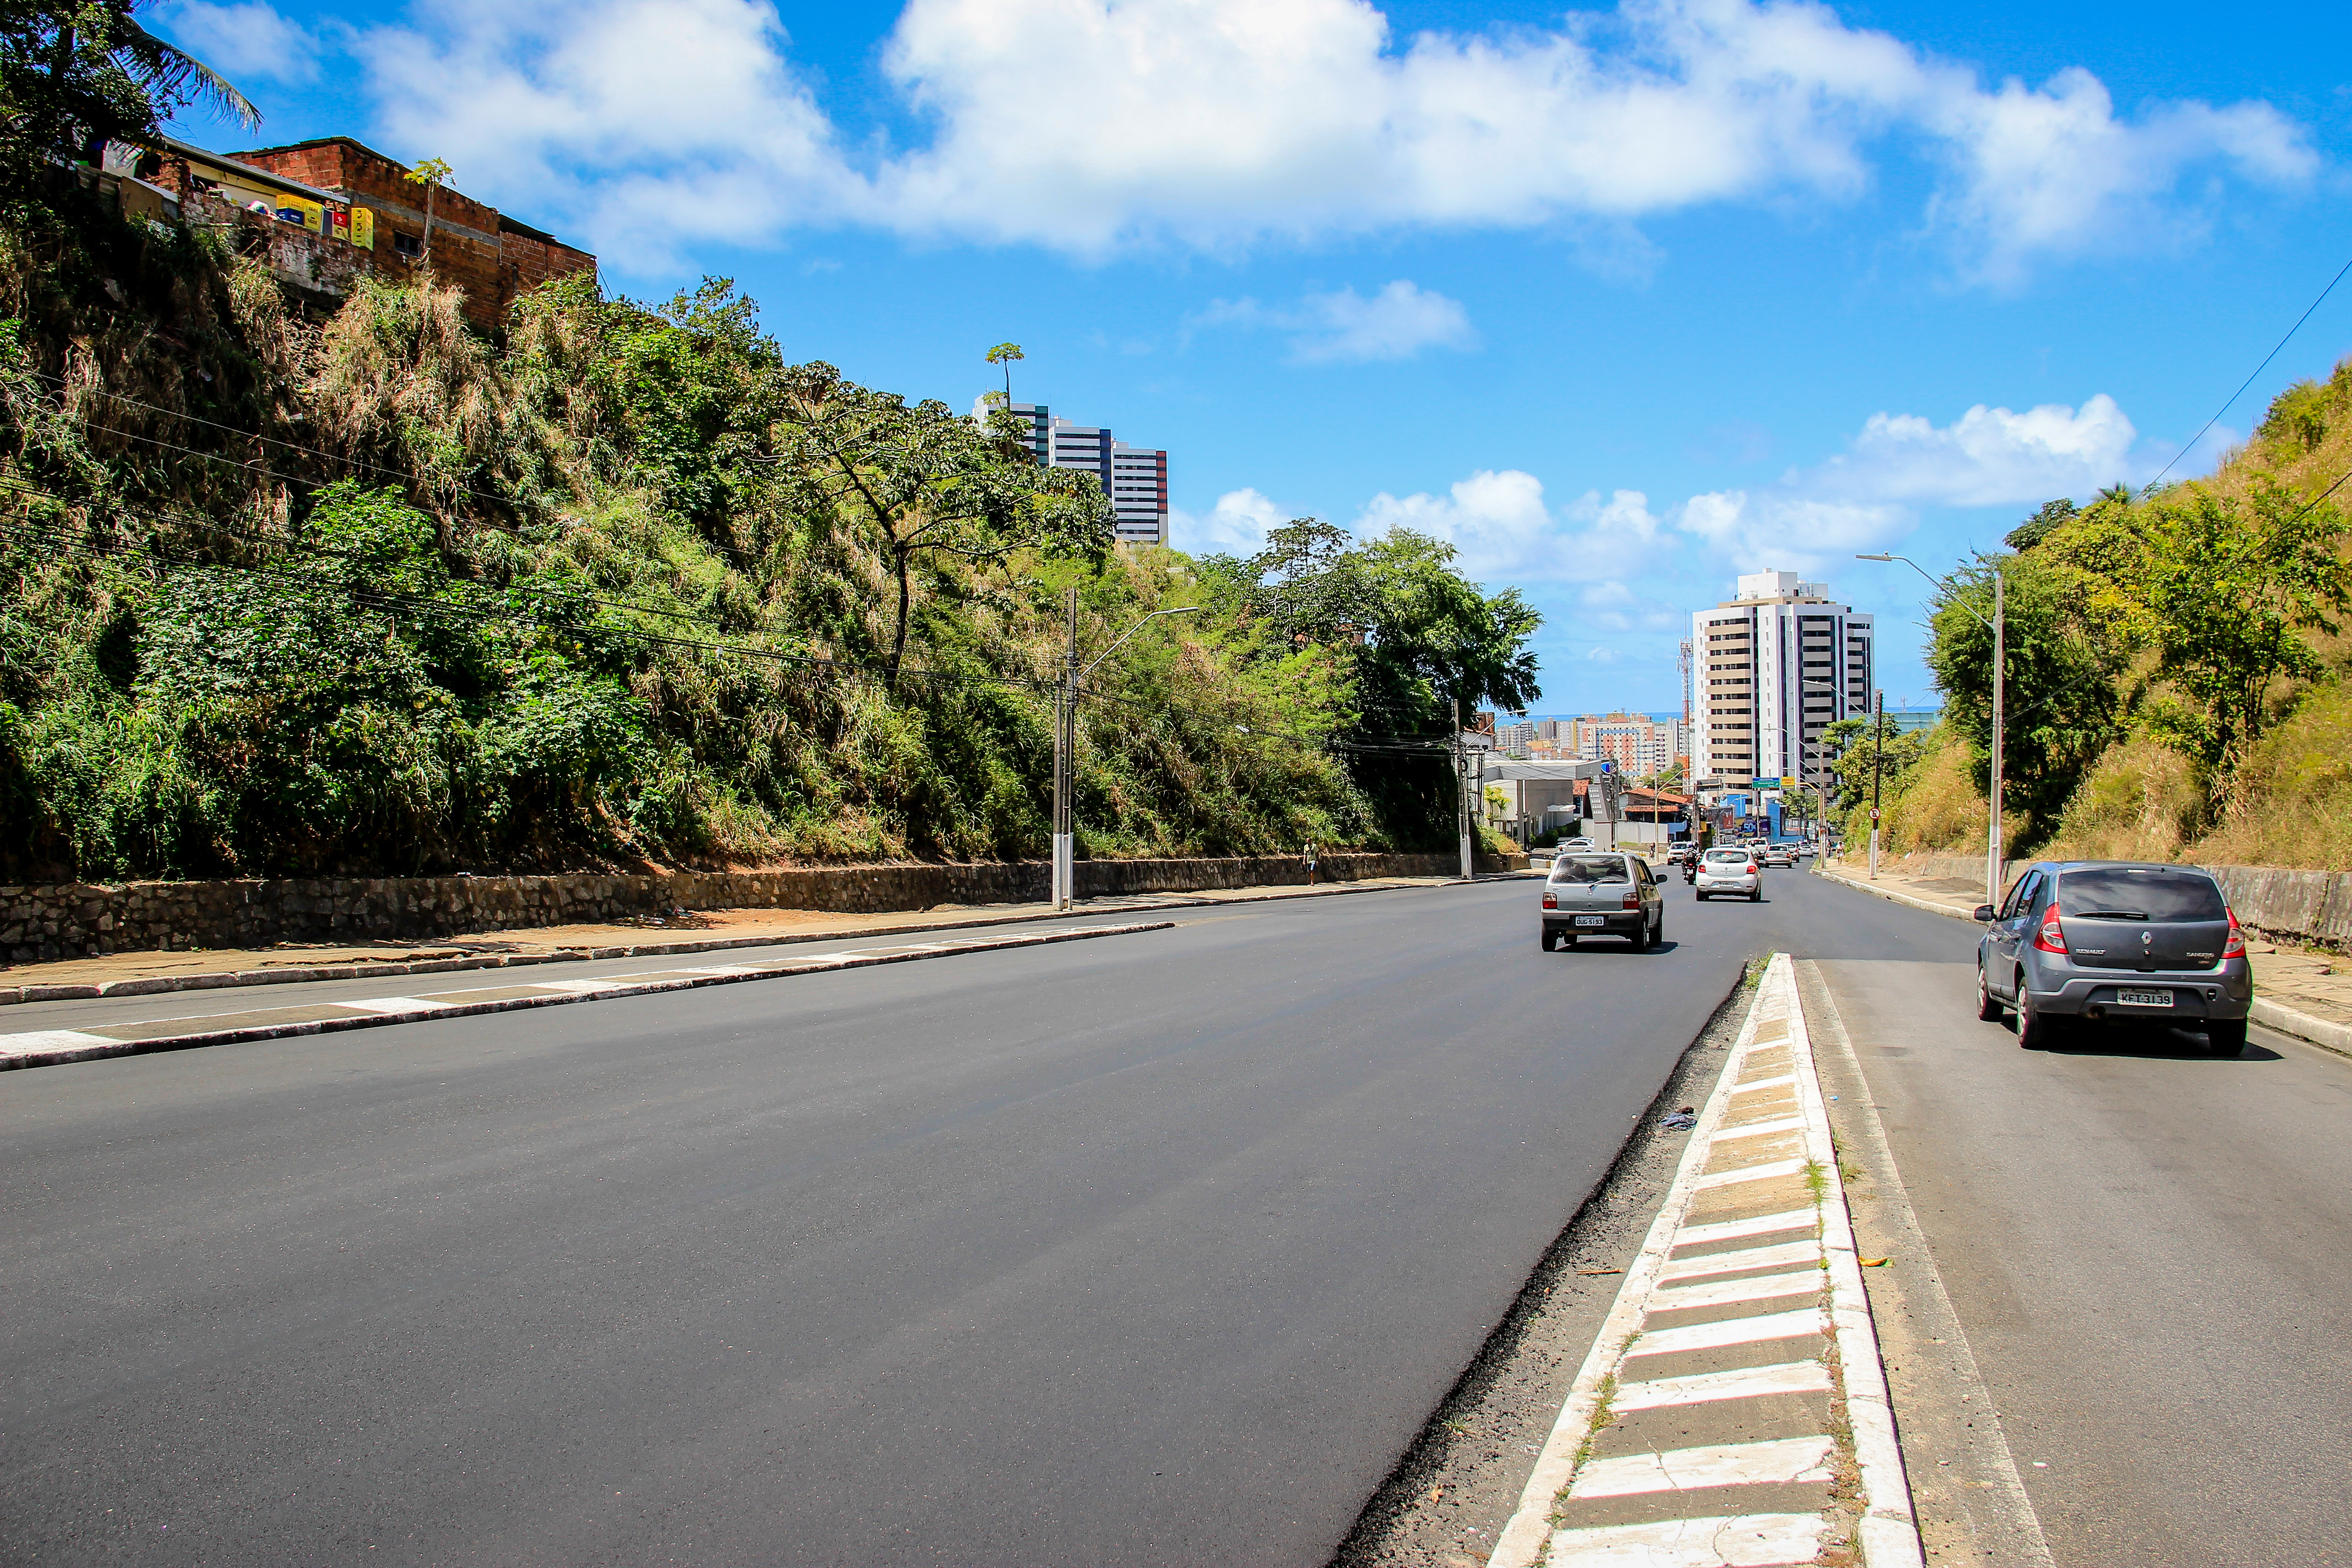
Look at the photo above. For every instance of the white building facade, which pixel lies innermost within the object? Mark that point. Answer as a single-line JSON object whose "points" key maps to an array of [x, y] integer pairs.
{"points": [[1134, 478], [1639, 743], [1771, 668]]}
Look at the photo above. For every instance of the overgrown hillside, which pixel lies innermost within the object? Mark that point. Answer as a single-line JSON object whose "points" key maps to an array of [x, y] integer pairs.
{"points": [[376, 595], [2177, 664]]}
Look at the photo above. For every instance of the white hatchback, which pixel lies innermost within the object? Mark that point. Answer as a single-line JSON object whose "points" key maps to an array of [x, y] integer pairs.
{"points": [[1730, 874]]}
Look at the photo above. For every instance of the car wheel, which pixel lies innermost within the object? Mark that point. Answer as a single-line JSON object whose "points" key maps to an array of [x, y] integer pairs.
{"points": [[1989, 1005], [2036, 1030], [1641, 938], [2225, 1037], [1550, 937], [1658, 932], [1700, 897], [1757, 896]]}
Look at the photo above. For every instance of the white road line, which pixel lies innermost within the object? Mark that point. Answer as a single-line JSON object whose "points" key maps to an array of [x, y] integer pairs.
{"points": [[1806, 1251], [1757, 1129], [1763, 1225], [393, 1004], [1751, 1173], [1739, 1541], [1731, 1293], [1707, 1387], [1775, 1460], [576, 987], [1731, 1331], [1784, 1080]]}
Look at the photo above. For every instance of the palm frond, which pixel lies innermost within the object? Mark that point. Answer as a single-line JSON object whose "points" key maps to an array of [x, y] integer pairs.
{"points": [[168, 71]]}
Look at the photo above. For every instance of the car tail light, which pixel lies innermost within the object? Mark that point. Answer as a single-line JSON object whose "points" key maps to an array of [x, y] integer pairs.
{"points": [[1550, 902], [1752, 868], [2235, 947], [1633, 900], [2050, 938]]}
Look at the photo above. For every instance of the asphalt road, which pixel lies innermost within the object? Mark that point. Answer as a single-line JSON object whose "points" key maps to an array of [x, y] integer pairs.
{"points": [[1157, 1248], [2146, 1249]]}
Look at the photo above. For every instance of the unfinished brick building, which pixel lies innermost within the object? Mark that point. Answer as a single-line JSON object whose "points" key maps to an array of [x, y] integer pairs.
{"points": [[361, 213]]}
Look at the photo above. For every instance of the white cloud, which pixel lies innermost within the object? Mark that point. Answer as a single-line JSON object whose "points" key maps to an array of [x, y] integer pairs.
{"points": [[245, 42], [1864, 496], [1506, 533], [647, 123], [1236, 525], [1396, 323], [1091, 126]]}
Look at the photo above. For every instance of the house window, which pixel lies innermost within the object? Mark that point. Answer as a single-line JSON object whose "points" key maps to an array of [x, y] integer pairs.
{"points": [[408, 245]]}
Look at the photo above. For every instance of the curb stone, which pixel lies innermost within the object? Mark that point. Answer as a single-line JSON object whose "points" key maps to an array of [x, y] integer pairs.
{"points": [[1797, 1460], [55, 1047]]}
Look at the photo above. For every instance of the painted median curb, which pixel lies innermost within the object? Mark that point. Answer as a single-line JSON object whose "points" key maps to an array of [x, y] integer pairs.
{"points": [[55, 1047]]}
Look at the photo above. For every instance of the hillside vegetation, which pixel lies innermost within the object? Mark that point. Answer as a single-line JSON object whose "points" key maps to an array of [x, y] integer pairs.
{"points": [[625, 585], [2177, 664]]}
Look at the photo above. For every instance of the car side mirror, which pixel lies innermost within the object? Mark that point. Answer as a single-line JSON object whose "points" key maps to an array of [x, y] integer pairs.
{"points": [[1982, 914]]}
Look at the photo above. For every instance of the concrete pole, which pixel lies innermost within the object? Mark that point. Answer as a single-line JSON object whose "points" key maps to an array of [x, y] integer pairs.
{"points": [[1999, 678], [1462, 776], [1066, 705], [1877, 771]]}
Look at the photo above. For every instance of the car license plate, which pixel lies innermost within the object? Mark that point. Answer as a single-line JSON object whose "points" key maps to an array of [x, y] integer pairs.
{"points": [[2144, 998], [1591, 919]]}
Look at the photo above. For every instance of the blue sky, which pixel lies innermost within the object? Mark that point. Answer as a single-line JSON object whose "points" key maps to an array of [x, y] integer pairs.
{"points": [[1624, 300]]}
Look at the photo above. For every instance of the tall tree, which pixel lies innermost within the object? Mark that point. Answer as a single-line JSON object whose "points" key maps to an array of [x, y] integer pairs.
{"points": [[926, 482]]}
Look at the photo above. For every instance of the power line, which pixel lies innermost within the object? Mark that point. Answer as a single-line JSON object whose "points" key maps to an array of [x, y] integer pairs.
{"points": [[2233, 397]]}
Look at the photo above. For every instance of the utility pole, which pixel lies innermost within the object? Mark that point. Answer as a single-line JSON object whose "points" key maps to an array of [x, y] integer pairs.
{"points": [[1461, 778], [1877, 773], [1065, 704], [2000, 671]]}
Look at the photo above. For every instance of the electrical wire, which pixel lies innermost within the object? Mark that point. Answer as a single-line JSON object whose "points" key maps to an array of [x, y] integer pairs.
{"points": [[2233, 397]]}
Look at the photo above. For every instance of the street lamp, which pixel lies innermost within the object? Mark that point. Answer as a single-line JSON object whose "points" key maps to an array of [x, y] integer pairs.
{"points": [[1066, 740], [1997, 626]]}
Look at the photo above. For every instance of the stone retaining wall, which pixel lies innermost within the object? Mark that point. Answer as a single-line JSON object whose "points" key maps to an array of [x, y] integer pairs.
{"points": [[2299, 906], [74, 920]]}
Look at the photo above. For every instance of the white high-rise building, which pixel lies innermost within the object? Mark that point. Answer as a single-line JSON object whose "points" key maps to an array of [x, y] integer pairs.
{"points": [[1771, 668], [1134, 478]]}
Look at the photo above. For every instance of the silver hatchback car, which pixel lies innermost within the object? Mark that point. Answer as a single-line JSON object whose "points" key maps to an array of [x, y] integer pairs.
{"points": [[2115, 942], [1730, 873], [1603, 893]]}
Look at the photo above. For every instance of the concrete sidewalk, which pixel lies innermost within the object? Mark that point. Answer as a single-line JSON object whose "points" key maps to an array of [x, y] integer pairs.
{"points": [[202, 969], [2305, 993]]}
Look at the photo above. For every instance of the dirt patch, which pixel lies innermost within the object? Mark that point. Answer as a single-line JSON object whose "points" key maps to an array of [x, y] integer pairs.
{"points": [[1456, 1487]]}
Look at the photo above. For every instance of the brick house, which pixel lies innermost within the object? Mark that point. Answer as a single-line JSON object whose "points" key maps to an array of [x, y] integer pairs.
{"points": [[355, 210]]}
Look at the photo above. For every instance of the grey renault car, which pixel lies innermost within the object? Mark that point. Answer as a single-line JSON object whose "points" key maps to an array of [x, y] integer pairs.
{"points": [[1601, 893], [2092, 941]]}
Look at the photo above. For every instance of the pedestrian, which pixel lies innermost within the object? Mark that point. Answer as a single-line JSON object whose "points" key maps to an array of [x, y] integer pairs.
{"points": [[1310, 862]]}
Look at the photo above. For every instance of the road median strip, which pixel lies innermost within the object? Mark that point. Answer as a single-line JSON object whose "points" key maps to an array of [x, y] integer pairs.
{"points": [[1760, 1434], [51, 1048]]}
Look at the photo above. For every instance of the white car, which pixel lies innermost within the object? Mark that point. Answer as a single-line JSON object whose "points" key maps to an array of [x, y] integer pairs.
{"points": [[1730, 873], [1567, 845], [1780, 855]]}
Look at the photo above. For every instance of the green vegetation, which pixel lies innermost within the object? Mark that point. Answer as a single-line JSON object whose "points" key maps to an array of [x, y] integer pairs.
{"points": [[378, 595], [2176, 669]]}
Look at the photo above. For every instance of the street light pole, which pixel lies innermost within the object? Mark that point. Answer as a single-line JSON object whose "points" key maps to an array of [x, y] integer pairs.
{"points": [[1461, 780], [1998, 627], [1065, 743], [1877, 773]]}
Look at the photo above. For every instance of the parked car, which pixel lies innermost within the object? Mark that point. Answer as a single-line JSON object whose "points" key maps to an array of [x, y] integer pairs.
{"points": [[2094, 941], [1567, 844], [1730, 872], [1603, 893], [1783, 855]]}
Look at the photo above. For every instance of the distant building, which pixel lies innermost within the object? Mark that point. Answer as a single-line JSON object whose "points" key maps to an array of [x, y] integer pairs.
{"points": [[1901, 721], [1134, 478], [1639, 743], [1772, 667], [1515, 738]]}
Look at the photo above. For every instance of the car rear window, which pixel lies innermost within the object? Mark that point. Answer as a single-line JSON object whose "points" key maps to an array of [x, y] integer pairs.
{"points": [[1727, 854], [2139, 893], [1590, 868]]}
